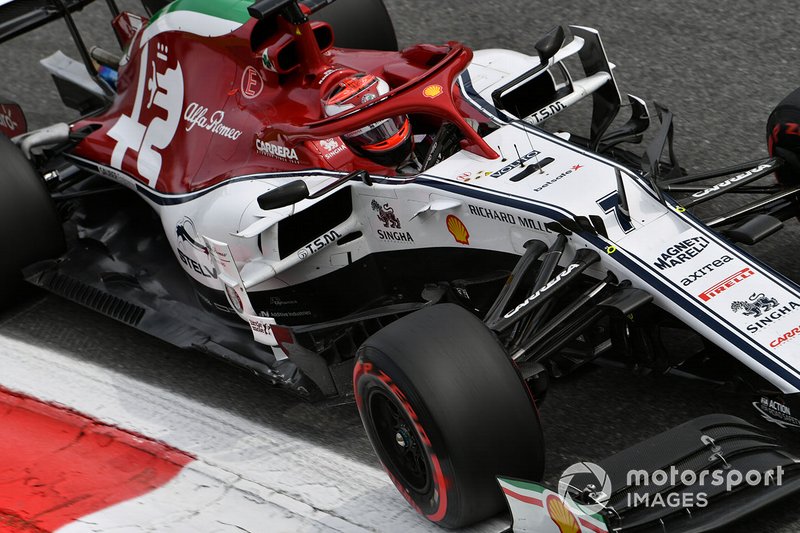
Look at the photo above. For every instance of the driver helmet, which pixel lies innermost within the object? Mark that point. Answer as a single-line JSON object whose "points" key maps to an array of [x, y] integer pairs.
{"points": [[388, 142]]}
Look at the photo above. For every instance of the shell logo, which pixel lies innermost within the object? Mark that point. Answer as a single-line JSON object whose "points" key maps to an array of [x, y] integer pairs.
{"points": [[457, 229], [561, 515], [432, 91]]}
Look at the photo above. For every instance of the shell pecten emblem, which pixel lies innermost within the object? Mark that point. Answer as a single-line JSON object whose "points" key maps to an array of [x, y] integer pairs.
{"points": [[432, 91], [457, 229], [537, 509], [562, 516]]}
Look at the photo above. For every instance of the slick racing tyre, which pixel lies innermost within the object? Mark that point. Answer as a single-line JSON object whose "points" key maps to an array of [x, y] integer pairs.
{"points": [[361, 24], [30, 229], [783, 138], [446, 412]]}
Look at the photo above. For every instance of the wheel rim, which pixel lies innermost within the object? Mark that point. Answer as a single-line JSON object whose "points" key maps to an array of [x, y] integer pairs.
{"points": [[400, 442]]}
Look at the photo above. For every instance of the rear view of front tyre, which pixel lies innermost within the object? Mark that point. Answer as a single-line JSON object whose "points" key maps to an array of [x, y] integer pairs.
{"points": [[783, 138], [446, 412], [30, 230]]}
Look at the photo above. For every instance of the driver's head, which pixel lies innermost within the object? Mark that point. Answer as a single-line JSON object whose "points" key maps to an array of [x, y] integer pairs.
{"points": [[387, 142]]}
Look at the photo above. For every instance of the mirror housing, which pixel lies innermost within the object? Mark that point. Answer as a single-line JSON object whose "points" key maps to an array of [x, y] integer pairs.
{"points": [[283, 196], [550, 44]]}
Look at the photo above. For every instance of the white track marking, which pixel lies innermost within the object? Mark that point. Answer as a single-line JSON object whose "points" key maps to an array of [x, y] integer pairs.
{"points": [[243, 469]]}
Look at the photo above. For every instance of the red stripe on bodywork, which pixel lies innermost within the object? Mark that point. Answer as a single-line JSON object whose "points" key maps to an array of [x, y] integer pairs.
{"points": [[591, 527], [523, 498], [57, 465]]}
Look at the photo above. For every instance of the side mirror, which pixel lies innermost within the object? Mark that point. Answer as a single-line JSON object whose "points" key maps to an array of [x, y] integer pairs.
{"points": [[283, 196], [550, 44]]}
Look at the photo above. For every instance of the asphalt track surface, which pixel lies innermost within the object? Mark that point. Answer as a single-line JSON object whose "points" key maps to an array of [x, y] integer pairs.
{"points": [[720, 67]]}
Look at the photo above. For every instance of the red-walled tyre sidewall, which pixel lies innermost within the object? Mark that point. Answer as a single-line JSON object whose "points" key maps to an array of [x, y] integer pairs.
{"points": [[467, 407], [30, 229], [783, 138]]}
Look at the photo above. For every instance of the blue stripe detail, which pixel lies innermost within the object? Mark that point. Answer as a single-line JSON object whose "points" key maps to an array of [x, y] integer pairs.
{"points": [[629, 264], [693, 222], [779, 278], [177, 199], [485, 107], [482, 105]]}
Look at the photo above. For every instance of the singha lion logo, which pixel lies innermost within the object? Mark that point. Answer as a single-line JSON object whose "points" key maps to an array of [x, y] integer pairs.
{"points": [[386, 215], [757, 304], [329, 144]]}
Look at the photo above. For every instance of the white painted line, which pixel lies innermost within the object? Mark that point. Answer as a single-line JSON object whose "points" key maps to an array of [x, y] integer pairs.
{"points": [[227, 503], [240, 463]]}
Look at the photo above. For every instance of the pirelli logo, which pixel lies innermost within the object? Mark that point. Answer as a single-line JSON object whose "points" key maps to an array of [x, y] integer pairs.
{"points": [[727, 283]]}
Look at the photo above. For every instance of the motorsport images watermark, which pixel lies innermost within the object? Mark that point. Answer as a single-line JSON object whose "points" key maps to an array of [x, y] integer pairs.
{"points": [[657, 485]]}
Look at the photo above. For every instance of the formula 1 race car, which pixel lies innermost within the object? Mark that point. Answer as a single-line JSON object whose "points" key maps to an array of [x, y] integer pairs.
{"points": [[260, 182]]}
